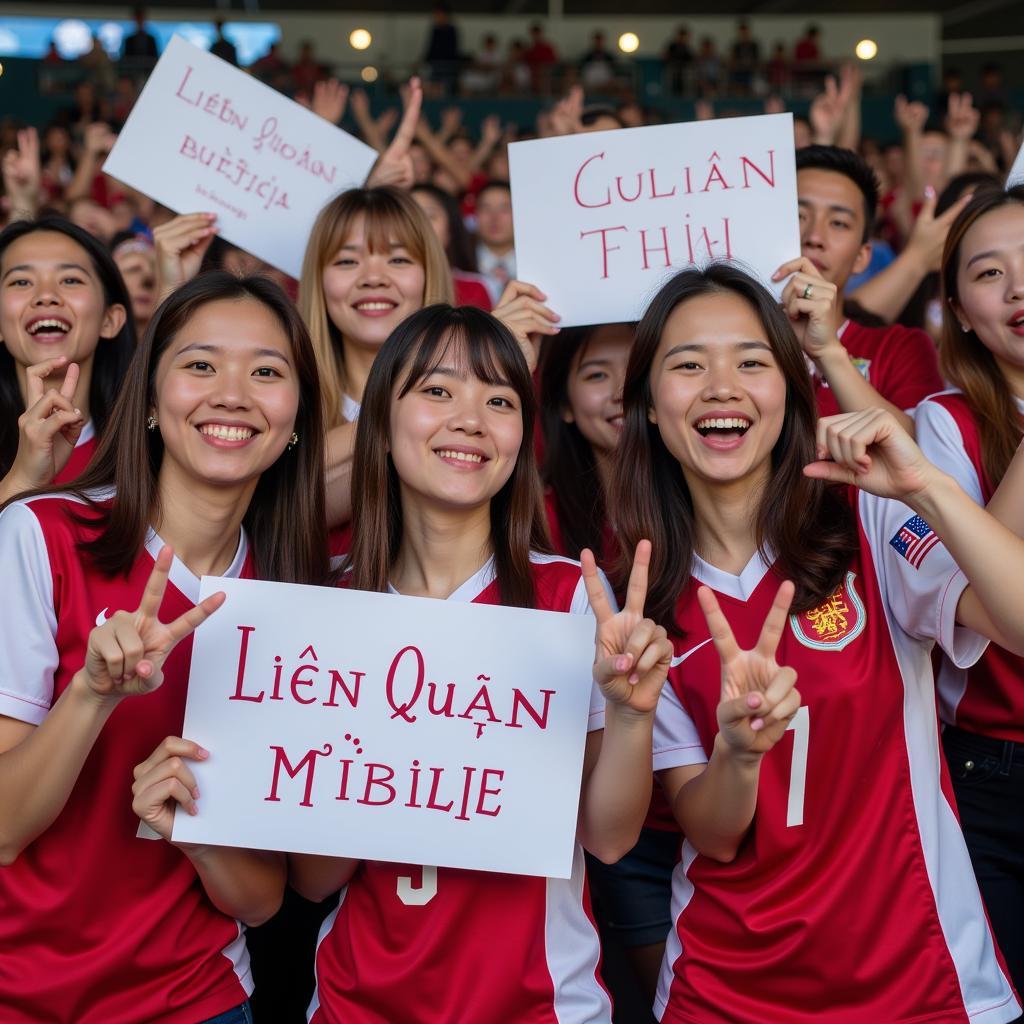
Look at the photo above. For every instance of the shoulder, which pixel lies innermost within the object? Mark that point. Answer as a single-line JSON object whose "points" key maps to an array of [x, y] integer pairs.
{"points": [[56, 516], [559, 583], [945, 416], [859, 338]]}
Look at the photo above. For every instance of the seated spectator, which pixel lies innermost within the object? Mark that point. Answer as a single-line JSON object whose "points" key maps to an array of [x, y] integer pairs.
{"points": [[746, 55], [484, 75], [222, 46], [307, 70], [778, 69], [442, 54], [140, 43], [709, 68], [517, 76], [540, 58], [679, 58], [597, 65]]}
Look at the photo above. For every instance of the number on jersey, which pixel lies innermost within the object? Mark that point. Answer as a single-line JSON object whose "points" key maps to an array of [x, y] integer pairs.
{"points": [[418, 895], [801, 726]]}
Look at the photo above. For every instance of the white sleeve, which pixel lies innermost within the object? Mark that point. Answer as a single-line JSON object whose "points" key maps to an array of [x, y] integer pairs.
{"points": [[939, 438], [580, 605], [676, 741], [921, 587], [28, 626]]}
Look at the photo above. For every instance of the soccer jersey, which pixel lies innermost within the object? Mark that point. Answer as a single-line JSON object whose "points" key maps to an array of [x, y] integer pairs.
{"points": [[421, 945], [103, 922], [988, 698], [898, 362], [852, 899], [80, 457]]}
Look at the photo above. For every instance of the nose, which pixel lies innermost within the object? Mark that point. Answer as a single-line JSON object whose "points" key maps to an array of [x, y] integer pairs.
{"points": [[811, 230], [231, 389], [721, 384], [373, 270], [466, 418]]}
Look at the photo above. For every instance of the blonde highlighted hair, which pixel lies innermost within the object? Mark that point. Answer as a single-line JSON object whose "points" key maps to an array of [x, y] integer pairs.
{"points": [[391, 216]]}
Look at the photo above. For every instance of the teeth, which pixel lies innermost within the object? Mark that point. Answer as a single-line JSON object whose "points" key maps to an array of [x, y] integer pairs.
{"points": [[447, 453], [42, 325], [223, 433], [722, 423], [375, 305]]}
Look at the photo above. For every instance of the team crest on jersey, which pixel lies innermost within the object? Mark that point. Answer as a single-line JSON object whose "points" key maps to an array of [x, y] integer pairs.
{"points": [[835, 623], [862, 366]]}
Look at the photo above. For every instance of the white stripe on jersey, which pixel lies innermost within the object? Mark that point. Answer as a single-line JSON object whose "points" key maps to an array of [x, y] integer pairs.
{"points": [[238, 953], [325, 930], [682, 893], [573, 951]]}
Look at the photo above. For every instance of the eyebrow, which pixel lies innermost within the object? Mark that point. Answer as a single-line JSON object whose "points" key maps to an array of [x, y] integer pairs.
{"points": [[597, 361], [448, 371], [743, 346], [833, 207], [266, 353], [60, 266], [988, 254], [350, 247]]}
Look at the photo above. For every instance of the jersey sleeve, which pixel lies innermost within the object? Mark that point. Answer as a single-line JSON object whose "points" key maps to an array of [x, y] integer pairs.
{"points": [[676, 741], [920, 582], [28, 625], [939, 437], [581, 606], [910, 371]]}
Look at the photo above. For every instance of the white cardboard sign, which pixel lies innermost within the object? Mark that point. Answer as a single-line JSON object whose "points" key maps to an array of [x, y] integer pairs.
{"points": [[389, 728], [603, 218], [205, 136], [1016, 175]]}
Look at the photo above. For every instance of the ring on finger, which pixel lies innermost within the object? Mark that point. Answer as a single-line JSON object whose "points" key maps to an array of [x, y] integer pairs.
{"points": [[807, 291]]}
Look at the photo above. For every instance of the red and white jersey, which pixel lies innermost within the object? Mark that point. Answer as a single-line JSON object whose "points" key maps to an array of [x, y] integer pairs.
{"points": [[103, 922], [852, 899], [898, 362], [421, 945], [988, 699], [85, 449]]}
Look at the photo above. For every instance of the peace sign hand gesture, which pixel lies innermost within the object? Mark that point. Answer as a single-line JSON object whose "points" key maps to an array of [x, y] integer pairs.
{"points": [[125, 655], [632, 653], [758, 697]]}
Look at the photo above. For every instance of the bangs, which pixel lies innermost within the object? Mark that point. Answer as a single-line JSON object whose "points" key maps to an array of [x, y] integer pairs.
{"points": [[485, 355], [385, 224]]}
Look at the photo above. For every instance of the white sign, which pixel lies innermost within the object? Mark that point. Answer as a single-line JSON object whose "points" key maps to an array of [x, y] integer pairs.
{"points": [[204, 136], [603, 218], [1016, 175], [389, 728]]}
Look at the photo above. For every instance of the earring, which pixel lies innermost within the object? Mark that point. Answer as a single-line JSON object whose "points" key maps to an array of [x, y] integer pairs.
{"points": [[293, 441], [965, 328], [151, 423]]}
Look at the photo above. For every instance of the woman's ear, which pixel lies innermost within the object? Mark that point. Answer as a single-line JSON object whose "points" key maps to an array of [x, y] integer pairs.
{"points": [[114, 318], [957, 310]]}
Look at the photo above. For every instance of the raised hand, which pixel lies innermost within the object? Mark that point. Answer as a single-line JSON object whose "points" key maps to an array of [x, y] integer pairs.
{"points": [[632, 653], [163, 781], [962, 117], [826, 113], [758, 697], [521, 309], [329, 99], [910, 116], [812, 304], [98, 140], [395, 166], [566, 117], [22, 173], [871, 450], [180, 246], [125, 656], [48, 429], [928, 236]]}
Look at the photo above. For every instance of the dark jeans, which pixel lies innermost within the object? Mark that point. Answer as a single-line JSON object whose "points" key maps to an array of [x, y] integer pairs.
{"points": [[239, 1015], [988, 779]]}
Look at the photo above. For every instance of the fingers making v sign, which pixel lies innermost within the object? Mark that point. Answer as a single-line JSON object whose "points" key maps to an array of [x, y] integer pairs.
{"points": [[632, 653], [758, 697], [125, 655]]}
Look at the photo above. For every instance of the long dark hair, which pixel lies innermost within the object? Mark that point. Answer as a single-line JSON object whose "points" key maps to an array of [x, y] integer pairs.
{"points": [[415, 348], [807, 525], [963, 356], [112, 354], [570, 466], [285, 521]]}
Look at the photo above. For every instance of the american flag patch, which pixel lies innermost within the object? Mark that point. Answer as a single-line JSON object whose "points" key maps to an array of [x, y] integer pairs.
{"points": [[914, 539]]}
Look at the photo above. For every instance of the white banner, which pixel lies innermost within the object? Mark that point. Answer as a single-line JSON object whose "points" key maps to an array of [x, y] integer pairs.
{"points": [[603, 218], [204, 136], [1016, 175], [389, 728]]}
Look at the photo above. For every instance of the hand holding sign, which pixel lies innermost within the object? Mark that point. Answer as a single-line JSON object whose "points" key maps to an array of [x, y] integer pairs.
{"points": [[125, 655], [632, 653], [180, 246], [163, 781], [521, 309], [758, 698]]}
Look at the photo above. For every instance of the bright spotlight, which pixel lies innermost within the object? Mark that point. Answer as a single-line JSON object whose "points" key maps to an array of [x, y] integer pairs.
{"points": [[629, 42], [360, 39], [866, 49], [369, 74]]}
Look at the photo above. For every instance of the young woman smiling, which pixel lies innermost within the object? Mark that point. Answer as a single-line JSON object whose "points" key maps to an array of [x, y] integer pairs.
{"points": [[822, 852], [450, 509], [66, 341], [213, 451]]}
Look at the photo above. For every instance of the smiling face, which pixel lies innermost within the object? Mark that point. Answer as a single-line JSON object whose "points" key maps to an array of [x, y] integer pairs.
{"points": [[595, 386], [454, 438], [990, 288], [226, 394], [831, 210], [138, 268], [52, 302], [718, 394], [368, 292]]}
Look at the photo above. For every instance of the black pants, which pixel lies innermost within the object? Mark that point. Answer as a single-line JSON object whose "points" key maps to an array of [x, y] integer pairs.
{"points": [[988, 779]]}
